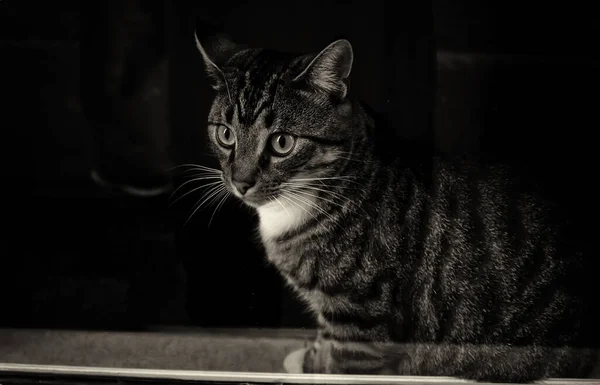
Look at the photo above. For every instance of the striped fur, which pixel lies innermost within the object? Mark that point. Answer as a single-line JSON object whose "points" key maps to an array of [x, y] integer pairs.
{"points": [[460, 274]]}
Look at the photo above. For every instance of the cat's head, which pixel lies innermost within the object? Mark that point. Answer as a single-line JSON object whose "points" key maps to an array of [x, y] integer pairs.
{"points": [[277, 118]]}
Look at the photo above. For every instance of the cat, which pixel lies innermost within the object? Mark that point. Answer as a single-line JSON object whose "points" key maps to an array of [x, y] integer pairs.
{"points": [[451, 271]]}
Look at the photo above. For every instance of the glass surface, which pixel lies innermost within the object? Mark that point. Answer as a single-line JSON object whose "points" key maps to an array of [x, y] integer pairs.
{"points": [[114, 269]]}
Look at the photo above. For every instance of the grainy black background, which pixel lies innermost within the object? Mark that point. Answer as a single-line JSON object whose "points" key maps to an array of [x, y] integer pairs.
{"points": [[512, 81]]}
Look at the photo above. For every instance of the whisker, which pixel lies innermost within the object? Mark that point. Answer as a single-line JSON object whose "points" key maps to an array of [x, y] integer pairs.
{"points": [[309, 186], [343, 178], [181, 166], [211, 194], [191, 168], [309, 203], [198, 179], [191, 165], [224, 196], [318, 184], [203, 172], [195, 189], [325, 178], [298, 205], [334, 197], [316, 205], [299, 190], [282, 206]]}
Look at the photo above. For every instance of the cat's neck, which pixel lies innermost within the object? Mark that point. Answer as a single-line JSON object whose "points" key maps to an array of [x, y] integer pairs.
{"points": [[282, 216]]}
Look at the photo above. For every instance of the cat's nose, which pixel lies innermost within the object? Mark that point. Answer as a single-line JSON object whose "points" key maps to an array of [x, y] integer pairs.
{"points": [[242, 186]]}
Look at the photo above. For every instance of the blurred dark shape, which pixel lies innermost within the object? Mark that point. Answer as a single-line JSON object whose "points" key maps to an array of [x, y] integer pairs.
{"points": [[125, 94]]}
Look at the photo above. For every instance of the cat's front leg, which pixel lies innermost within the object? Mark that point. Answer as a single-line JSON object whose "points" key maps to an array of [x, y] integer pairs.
{"points": [[317, 358], [306, 360], [343, 357]]}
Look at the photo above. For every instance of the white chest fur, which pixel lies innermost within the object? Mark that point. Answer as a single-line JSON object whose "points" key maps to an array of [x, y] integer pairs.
{"points": [[277, 218]]}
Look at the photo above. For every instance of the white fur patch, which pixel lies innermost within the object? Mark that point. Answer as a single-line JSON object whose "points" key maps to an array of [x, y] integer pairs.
{"points": [[294, 361], [277, 218]]}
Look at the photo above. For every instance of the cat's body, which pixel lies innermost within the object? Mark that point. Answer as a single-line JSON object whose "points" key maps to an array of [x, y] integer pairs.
{"points": [[465, 261], [450, 271]]}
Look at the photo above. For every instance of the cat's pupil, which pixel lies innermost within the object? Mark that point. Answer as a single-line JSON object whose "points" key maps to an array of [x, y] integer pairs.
{"points": [[281, 141], [226, 133]]}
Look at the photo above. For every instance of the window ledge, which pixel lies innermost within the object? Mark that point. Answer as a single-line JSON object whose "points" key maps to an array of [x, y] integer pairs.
{"points": [[198, 355]]}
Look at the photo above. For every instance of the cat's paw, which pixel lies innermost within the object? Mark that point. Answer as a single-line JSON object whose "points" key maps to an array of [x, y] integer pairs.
{"points": [[294, 362]]}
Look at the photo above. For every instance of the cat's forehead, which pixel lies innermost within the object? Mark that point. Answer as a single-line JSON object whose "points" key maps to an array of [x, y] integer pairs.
{"points": [[258, 68], [255, 79]]}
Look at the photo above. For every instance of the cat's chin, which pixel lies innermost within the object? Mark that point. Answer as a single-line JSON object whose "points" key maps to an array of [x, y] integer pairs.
{"points": [[255, 203]]}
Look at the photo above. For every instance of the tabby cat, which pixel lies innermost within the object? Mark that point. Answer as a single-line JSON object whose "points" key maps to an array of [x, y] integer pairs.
{"points": [[457, 274]]}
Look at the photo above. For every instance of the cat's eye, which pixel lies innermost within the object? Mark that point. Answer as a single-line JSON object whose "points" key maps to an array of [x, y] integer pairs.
{"points": [[282, 144], [225, 136]]}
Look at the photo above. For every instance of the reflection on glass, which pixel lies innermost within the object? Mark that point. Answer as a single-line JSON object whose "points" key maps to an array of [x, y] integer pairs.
{"points": [[356, 194]]}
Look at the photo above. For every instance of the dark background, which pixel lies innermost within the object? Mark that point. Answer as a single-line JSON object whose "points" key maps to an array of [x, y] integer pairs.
{"points": [[513, 82]]}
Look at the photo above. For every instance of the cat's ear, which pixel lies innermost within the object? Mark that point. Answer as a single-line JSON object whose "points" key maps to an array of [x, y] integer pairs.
{"points": [[330, 69], [216, 50]]}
